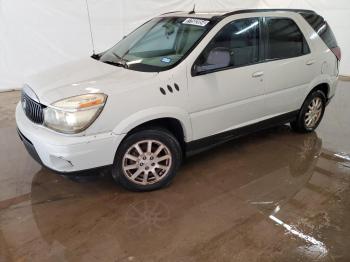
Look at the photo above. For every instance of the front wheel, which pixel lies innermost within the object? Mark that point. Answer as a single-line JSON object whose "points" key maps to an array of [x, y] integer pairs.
{"points": [[311, 113], [147, 160]]}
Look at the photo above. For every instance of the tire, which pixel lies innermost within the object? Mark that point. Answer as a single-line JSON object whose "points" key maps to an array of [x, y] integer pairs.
{"points": [[137, 168], [310, 110]]}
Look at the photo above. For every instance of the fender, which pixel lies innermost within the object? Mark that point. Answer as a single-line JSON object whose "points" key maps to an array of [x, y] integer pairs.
{"points": [[154, 113], [321, 79]]}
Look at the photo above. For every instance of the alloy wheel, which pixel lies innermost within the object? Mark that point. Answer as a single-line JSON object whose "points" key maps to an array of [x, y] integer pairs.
{"points": [[147, 162], [314, 112]]}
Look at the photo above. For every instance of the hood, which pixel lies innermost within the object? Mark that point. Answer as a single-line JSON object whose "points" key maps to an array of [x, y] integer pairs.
{"points": [[82, 77]]}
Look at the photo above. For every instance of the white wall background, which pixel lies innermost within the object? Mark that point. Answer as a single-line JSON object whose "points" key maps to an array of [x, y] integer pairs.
{"points": [[38, 34]]}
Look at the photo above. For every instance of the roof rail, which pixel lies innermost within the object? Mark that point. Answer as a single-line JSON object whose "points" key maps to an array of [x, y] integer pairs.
{"points": [[243, 11], [171, 12]]}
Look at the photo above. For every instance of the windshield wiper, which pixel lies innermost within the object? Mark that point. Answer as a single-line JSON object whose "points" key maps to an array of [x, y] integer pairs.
{"points": [[118, 63], [122, 62]]}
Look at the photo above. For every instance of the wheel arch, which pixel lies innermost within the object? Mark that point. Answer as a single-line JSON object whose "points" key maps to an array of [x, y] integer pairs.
{"points": [[324, 87], [176, 120]]}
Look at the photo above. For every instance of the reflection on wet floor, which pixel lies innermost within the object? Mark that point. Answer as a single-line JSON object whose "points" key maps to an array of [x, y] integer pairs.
{"points": [[271, 196]]}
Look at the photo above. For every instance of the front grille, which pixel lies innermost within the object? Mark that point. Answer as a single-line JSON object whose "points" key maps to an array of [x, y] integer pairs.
{"points": [[32, 109]]}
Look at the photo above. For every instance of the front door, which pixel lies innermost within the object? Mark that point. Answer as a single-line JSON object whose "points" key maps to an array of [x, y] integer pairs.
{"points": [[226, 87]]}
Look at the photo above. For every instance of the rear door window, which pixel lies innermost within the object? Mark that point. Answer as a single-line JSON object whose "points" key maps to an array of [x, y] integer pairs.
{"points": [[284, 39]]}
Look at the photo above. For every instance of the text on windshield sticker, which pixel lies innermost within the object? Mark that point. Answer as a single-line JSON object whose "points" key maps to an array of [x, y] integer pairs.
{"points": [[198, 22]]}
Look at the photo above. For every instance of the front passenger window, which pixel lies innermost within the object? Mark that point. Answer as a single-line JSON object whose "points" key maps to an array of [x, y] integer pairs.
{"points": [[237, 44]]}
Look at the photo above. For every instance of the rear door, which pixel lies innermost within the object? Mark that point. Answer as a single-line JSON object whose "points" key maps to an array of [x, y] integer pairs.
{"points": [[289, 65]]}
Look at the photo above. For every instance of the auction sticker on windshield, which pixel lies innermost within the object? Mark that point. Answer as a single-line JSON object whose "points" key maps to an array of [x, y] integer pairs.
{"points": [[198, 22]]}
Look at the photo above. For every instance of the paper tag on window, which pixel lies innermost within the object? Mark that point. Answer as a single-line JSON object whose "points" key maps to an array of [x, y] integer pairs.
{"points": [[198, 22], [166, 60]]}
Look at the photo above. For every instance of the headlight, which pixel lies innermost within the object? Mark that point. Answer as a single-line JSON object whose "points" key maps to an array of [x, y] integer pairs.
{"points": [[74, 114]]}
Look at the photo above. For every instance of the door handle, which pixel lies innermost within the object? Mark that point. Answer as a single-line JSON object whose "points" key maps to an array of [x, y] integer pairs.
{"points": [[258, 74], [310, 62]]}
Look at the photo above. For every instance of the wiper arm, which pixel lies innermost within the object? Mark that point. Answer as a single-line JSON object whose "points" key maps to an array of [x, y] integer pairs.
{"points": [[119, 63], [117, 56], [121, 60]]}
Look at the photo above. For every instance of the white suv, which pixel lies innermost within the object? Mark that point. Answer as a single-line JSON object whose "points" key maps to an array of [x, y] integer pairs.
{"points": [[177, 83]]}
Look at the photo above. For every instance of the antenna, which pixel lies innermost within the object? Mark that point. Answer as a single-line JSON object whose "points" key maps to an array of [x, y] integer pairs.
{"points": [[92, 38], [193, 10]]}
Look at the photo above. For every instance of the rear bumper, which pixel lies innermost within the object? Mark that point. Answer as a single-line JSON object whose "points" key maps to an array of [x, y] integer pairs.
{"points": [[63, 153]]}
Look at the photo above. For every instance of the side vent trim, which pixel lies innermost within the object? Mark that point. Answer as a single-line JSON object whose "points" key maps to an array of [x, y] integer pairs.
{"points": [[162, 91], [170, 89]]}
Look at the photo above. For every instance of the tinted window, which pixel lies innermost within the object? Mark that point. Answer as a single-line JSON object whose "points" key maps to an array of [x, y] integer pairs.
{"points": [[158, 44], [284, 39], [155, 40], [322, 28], [237, 44]]}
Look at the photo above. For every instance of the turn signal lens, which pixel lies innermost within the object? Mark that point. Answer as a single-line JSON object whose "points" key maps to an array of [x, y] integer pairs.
{"points": [[81, 102]]}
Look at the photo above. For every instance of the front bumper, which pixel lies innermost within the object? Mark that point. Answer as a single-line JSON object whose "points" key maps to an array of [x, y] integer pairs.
{"points": [[66, 153]]}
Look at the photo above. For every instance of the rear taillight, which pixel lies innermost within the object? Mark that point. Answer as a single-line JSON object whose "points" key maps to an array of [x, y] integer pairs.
{"points": [[337, 52]]}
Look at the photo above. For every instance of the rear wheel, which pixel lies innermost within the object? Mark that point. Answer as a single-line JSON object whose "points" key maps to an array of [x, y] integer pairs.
{"points": [[147, 160], [311, 113]]}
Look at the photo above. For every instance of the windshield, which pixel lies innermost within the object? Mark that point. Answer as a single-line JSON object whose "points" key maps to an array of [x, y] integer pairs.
{"points": [[158, 44]]}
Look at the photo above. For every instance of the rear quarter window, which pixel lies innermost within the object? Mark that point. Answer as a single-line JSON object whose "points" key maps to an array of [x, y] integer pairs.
{"points": [[322, 28]]}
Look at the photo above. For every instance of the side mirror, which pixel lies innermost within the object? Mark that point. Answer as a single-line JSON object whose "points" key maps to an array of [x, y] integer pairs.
{"points": [[218, 57]]}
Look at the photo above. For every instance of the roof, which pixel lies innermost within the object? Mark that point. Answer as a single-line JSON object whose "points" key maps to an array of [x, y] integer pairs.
{"points": [[201, 14], [223, 14]]}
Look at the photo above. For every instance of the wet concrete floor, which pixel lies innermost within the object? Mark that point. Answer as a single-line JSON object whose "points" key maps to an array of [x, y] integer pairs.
{"points": [[271, 196]]}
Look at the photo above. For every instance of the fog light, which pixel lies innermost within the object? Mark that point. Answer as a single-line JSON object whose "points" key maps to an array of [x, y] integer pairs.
{"points": [[60, 163]]}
